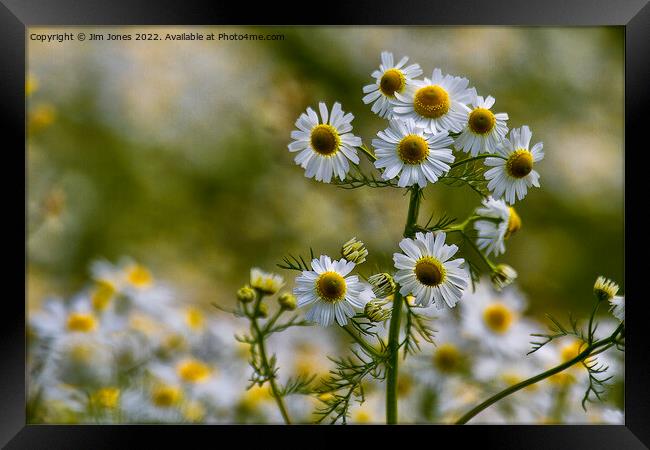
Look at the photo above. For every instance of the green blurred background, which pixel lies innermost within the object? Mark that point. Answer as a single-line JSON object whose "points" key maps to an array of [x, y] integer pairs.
{"points": [[175, 153]]}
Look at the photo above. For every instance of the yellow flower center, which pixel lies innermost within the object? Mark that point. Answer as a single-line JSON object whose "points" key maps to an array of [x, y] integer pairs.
{"points": [[447, 358], [325, 139], [429, 271], [431, 102], [498, 317], [165, 396], [514, 223], [81, 322], [570, 351], [331, 286], [193, 371], [254, 396], [106, 398], [139, 276], [481, 121], [520, 163], [413, 149], [194, 319], [102, 295], [404, 385], [392, 81], [194, 412], [362, 416], [81, 353]]}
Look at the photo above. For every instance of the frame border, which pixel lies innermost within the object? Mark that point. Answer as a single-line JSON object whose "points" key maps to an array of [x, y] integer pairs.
{"points": [[17, 15]]}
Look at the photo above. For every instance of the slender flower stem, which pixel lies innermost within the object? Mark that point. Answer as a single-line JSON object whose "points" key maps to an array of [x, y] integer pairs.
{"points": [[485, 259], [587, 352], [475, 158], [368, 153], [395, 319], [265, 362], [590, 332], [362, 342]]}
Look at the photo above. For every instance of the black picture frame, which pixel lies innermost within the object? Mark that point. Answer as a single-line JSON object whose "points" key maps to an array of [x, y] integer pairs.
{"points": [[17, 15]]}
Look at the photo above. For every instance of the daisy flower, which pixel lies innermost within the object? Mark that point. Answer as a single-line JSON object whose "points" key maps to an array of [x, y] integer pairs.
{"points": [[267, 283], [484, 129], [502, 222], [436, 104], [512, 173], [426, 270], [494, 320], [419, 156], [325, 146], [333, 293], [390, 78]]}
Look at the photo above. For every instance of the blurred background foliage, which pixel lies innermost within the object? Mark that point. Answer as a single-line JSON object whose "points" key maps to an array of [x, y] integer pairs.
{"points": [[175, 153]]}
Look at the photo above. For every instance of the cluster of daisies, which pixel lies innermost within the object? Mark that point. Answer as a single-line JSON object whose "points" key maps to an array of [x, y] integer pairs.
{"points": [[429, 119], [128, 349], [481, 348]]}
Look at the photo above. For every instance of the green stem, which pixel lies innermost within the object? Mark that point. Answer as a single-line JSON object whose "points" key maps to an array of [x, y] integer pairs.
{"points": [[366, 346], [265, 363], [475, 158], [395, 319], [393, 360], [590, 332], [557, 369], [485, 259], [368, 153]]}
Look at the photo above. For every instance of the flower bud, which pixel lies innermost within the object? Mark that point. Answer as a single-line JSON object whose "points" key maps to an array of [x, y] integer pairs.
{"points": [[382, 284], [375, 311], [246, 294], [287, 301], [605, 289], [354, 251], [502, 276]]}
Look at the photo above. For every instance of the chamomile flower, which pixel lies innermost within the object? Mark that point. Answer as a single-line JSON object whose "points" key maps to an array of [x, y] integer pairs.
{"points": [[325, 145], [407, 150], [436, 104], [512, 173], [267, 283], [333, 293], [502, 221], [494, 320], [390, 78], [484, 130], [426, 270]]}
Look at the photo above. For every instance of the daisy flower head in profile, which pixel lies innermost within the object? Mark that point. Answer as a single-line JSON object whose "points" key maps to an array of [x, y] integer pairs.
{"points": [[606, 289], [497, 222], [426, 270], [325, 145], [484, 130], [512, 173], [407, 150], [436, 104], [333, 293], [389, 79], [265, 282]]}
